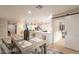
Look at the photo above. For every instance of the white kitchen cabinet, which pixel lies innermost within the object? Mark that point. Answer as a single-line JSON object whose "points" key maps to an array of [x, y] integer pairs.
{"points": [[72, 29], [41, 35]]}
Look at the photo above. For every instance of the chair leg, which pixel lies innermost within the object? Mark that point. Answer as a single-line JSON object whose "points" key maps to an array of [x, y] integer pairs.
{"points": [[41, 47]]}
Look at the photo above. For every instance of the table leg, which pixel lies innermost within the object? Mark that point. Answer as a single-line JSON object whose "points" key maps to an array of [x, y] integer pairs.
{"points": [[45, 49], [35, 50]]}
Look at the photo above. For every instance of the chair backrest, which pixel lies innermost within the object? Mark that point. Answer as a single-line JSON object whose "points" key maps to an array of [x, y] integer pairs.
{"points": [[7, 39], [4, 49], [4, 45], [0, 45]]}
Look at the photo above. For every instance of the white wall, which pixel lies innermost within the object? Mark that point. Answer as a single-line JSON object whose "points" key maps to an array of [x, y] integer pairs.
{"points": [[20, 26], [3, 28], [57, 33]]}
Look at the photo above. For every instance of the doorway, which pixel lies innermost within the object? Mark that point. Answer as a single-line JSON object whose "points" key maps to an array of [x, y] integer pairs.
{"points": [[11, 29]]}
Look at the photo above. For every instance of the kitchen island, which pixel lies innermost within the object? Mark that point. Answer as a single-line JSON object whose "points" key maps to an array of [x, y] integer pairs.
{"points": [[42, 35]]}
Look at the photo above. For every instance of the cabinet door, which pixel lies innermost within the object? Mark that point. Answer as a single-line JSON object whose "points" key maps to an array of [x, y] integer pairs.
{"points": [[72, 29]]}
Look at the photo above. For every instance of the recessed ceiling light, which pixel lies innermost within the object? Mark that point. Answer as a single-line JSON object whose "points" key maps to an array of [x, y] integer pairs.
{"points": [[29, 12]]}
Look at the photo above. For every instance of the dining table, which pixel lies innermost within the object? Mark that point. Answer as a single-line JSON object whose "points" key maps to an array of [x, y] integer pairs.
{"points": [[27, 46]]}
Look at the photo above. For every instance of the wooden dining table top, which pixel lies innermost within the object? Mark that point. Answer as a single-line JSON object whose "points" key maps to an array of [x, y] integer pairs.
{"points": [[34, 44]]}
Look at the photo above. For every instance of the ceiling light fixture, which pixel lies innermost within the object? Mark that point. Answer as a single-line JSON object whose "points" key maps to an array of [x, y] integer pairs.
{"points": [[29, 12], [39, 6]]}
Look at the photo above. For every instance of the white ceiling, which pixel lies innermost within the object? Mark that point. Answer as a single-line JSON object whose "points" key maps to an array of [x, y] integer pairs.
{"points": [[16, 12]]}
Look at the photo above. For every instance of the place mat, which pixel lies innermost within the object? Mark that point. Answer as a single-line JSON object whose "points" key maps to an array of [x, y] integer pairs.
{"points": [[36, 39], [24, 43]]}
